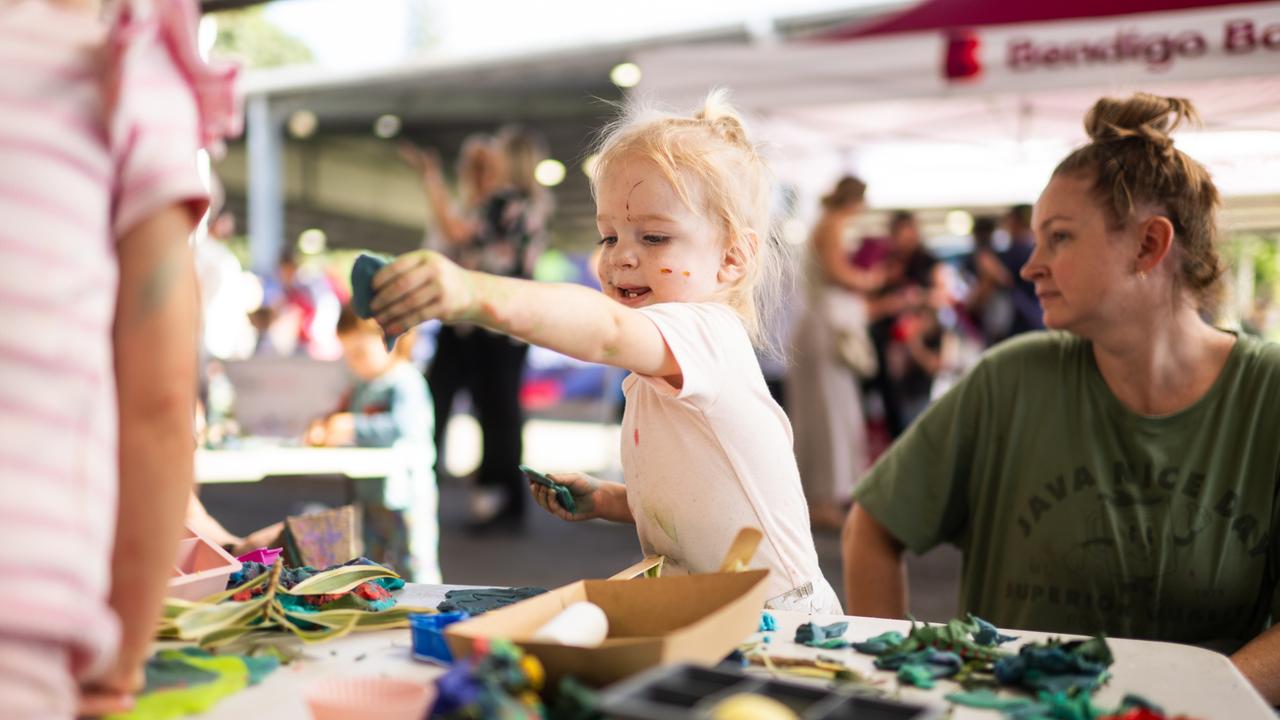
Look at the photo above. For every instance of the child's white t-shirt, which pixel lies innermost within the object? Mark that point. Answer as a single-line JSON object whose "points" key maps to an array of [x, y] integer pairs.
{"points": [[715, 455]]}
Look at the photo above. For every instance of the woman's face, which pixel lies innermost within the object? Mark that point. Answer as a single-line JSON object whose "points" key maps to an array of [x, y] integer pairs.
{"points": [[1082, 268], [481, 162]]}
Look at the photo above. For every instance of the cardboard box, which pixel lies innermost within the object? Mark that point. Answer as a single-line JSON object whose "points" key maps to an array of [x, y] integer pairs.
{"points": [[652, 621]]}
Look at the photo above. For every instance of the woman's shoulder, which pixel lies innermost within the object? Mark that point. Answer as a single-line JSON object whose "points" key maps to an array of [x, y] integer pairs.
{"points": [[1259, 359], [404, 374], [1040, 348], [1260, 350]]}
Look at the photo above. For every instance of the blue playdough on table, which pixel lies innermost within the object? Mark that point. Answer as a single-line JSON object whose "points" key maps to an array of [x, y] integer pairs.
{"points": [[362, 273]]}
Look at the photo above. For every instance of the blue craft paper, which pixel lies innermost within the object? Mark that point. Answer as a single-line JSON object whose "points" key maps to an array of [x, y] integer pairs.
{"points": [[362, 272]]}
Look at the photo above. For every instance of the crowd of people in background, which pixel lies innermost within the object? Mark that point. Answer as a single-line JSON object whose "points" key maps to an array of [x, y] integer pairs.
{"points": [[887, 328]]}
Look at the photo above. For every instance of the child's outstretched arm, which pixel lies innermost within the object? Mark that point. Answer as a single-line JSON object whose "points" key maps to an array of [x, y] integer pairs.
{"points": [[569, 319]]}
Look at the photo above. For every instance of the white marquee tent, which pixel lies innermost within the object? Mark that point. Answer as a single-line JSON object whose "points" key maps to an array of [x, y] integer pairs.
{"points": [[972, 102]]}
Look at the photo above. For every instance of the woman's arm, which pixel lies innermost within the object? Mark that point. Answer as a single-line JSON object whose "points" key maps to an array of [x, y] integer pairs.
{"points": [[1259, 662], [571, 319], [875, 575], [836, 266]]}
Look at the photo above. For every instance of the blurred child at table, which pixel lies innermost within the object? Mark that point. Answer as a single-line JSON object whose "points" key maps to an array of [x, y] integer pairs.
{"points": [[101, 116], [389, 405]]}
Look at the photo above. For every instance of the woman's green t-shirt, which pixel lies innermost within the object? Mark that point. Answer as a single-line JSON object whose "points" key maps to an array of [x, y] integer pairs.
{"points": [[1076, 515]]}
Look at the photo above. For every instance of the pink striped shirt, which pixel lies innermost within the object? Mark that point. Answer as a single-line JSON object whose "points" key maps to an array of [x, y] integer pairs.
{"points": [[99, 126]]}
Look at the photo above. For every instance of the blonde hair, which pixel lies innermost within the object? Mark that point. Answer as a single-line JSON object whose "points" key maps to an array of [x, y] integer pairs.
{"points": [[522, 150], [475, 167], [1133, 163], [718, 171]]}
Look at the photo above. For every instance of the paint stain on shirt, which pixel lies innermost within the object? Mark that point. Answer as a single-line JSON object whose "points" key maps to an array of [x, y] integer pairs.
{"points": [[668, 528]]}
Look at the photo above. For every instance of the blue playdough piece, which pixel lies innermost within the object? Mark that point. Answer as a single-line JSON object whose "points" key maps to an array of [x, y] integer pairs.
{"points": [[362, 273]]}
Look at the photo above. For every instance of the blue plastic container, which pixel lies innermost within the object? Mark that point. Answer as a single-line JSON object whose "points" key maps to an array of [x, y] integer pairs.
{"points": [[428, 635]]}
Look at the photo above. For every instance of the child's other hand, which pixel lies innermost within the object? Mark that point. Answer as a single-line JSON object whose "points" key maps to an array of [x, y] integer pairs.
{"points": [[589, 496], [340, 429], [111, 694], [315, 433], [420, 286]]}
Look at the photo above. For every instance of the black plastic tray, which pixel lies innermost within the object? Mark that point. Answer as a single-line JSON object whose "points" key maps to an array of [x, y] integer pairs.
{"points": [[688, 692]]}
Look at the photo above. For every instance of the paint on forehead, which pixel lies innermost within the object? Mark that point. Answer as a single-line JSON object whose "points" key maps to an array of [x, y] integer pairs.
{"points": [[629, 194], [685, 273]]}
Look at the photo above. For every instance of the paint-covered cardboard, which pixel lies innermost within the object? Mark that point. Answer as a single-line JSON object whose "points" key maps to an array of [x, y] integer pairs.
{"points": [[652, 621]]}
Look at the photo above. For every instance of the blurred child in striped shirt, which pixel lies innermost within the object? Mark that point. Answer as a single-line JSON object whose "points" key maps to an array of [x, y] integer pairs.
{"points": [[102, 109]]}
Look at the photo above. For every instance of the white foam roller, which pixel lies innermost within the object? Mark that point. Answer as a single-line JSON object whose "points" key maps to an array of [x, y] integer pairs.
{"points": [[582, 624]]}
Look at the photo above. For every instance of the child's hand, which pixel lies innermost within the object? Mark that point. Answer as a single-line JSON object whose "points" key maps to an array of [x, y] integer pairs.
{"points": [[593, 498], [420, 286], [315, 433], [340, 429], [111, 694]]}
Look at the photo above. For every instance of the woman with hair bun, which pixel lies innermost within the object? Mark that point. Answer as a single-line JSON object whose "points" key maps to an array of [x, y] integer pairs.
{"points": [[1119, 472]]}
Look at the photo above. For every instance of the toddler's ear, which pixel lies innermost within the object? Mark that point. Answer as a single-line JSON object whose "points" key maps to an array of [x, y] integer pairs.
{"points": [[737, 256]]}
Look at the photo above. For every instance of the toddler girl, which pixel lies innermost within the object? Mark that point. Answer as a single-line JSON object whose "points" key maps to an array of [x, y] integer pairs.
{"points": [[688, 268]]}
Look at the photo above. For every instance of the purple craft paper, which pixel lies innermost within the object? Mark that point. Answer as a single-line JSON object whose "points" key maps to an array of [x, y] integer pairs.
{"points": [[266, 556]]}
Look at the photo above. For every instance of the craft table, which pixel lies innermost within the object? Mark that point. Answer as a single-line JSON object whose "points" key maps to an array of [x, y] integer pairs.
{"points": [[1183, 679], [254, 463]]}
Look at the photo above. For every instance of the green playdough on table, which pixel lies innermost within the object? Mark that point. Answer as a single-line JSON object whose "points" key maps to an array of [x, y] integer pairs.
{"points": [[189, 681], [1057, 706], [827, 637], [482, 600]]}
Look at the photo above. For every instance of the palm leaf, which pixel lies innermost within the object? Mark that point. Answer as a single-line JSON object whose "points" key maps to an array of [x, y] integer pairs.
{"points": [[226, 594], [202, 621], [312, 636], [339, 580]]}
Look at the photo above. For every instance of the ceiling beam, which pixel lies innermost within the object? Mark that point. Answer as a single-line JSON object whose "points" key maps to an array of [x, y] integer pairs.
{"points": [[216, 5]]}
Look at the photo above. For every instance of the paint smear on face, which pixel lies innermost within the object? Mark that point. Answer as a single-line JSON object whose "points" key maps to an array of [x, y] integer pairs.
{"points": [[666, 271], [637, 437], [685, 273]]}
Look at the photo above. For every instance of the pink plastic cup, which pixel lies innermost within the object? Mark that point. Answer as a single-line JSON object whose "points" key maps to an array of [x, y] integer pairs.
{"points": [[369, 698]]}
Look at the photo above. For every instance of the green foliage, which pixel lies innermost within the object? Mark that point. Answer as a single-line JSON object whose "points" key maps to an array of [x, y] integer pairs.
{"points": [[248, 36], [218, 620]]}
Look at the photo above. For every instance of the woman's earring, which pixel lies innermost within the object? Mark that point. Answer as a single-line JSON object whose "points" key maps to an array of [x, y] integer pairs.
{"points": [[1142, 274]]}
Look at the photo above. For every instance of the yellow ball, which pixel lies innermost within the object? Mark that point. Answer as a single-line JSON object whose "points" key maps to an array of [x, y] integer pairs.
{"points": [[748, 706]]}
